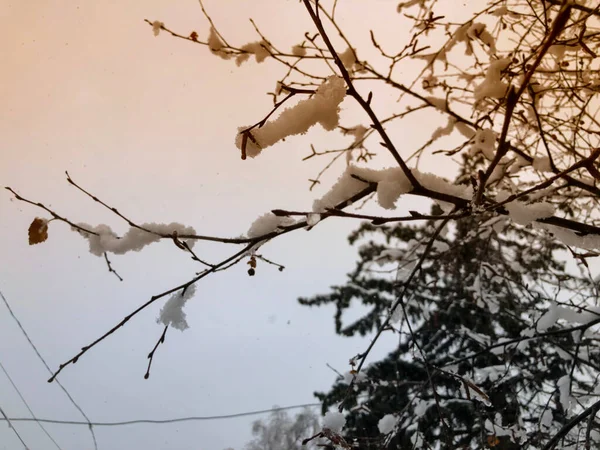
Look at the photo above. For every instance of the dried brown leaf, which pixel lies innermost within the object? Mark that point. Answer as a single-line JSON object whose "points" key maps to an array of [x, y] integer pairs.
{"points": [[38, 231]]}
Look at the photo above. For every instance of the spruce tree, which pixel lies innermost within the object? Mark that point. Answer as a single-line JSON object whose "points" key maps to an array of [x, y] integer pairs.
{"points": [[450, 382]]}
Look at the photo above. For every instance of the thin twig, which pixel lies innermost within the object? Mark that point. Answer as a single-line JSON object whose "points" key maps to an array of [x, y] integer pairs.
{"points": [[552, 443], [514, 96], [161, 340], [110, 267]]}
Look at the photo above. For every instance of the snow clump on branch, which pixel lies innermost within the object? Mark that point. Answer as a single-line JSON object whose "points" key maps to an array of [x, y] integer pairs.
{"points": [[106, 240], [334, 421], [268, 223], [391, 184], [216, 44], [484, 141], [172, 313], [322, 108], [523, 213], [299, 50], [260, 50], [156, 27], [493, 86], [387, 423]]}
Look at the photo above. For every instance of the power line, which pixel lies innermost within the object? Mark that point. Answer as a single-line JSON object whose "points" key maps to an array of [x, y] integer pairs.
{"points": [[159, 421], [10, 425], [88, 422], [27, 405]]}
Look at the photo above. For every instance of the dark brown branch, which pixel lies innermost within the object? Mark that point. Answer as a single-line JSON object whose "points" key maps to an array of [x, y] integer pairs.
{"points": [[161, 340], [362, 102], [280, 267], [547, 183], [514, 96], [552, 443], [233, 259], [52, 213], [575, 5], [110, 267], [153, 299], [246, 132], [375, 220], [572, 181]]}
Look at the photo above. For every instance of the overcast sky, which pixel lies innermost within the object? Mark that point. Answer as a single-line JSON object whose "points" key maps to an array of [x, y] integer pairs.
{"points": [[148, 125]]}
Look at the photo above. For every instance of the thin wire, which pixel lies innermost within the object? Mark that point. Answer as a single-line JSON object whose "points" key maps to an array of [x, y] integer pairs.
{"points": [[88, 422], [10, 425], [161, 421], [27, 405]]}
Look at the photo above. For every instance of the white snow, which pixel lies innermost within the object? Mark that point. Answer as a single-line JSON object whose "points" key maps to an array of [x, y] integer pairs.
{"points": [[501, 11], [484, 141], [298, 50], [491, 373], [439, 103], [387, 423], [322, 108], [172, 313], [334, 421], [558, 51], [525, 213], [541, 164], [134, 240], [156, 27], [260, 50], [216, 45], [348, 58], [569, 315], [417, 440], [268, 223], [439, 184], [391, 184], [493, 86], [482, 339], [568, 237], [359, 133], [445, 130], [564, 387], [498, 430], [479, 31], [548, 319], [421, 407], [313, 219], [357, 377], [440, 247], [390, 254]]}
